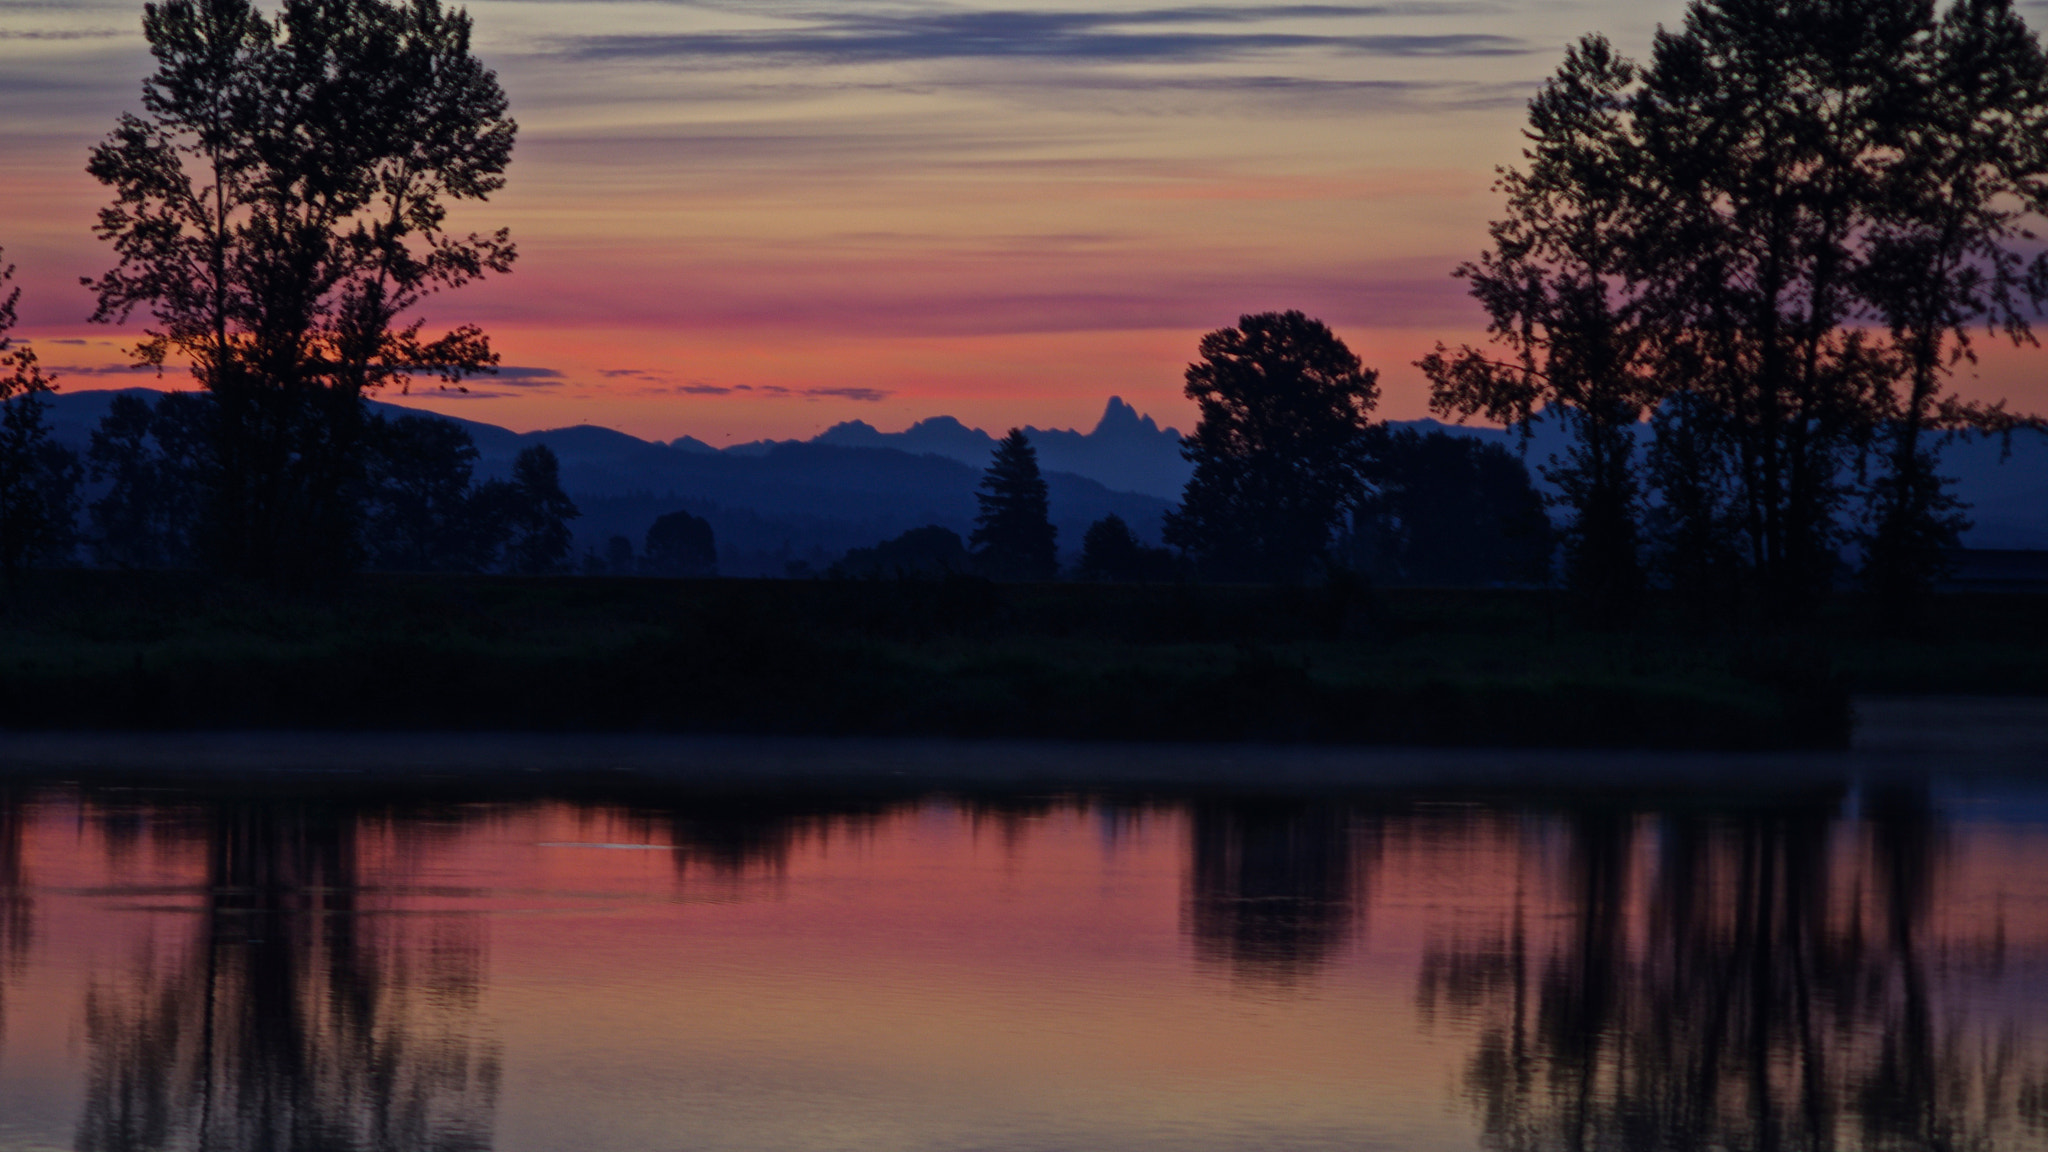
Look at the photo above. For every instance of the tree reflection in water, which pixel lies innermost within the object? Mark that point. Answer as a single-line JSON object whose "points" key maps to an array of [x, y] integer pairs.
{"points": [[1274, 887], [17, 909], [298, 1017], [1737, 979]]}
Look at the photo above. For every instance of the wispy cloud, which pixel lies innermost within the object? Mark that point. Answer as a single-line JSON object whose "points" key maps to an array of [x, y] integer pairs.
{"points": [[62, 370], [65, 34], [783, 392], [865, 395], [523, 377], [1147, 35]]}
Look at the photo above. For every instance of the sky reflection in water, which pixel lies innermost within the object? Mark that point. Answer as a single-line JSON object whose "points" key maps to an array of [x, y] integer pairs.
{"points": [[1822, 967]]}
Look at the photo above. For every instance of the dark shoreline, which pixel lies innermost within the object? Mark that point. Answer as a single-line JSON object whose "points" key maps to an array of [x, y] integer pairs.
{"points": [[608, 659], [1900, 738]]}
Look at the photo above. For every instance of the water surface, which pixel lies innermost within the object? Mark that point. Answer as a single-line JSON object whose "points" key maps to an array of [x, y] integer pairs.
{"points": [[1829, 958]]}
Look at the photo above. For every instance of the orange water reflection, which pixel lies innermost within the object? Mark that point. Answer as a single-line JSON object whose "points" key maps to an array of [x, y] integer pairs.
{"points": [[1818, 968]]}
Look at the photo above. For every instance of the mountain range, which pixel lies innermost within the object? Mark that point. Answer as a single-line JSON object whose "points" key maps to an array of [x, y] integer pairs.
{"points": [[774, 504]]}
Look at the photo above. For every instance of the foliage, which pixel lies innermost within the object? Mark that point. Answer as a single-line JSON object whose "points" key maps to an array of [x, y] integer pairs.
{"points": [[157, 460], [536, 510], [280, 207], [1776, 237], [38, 477], [957, 656], [424, 513], [1280, 452], [929, 552], [1450, 510], [678, 544], [1968, 136], [1111, 551], [1563, 295], [1013, 534]]}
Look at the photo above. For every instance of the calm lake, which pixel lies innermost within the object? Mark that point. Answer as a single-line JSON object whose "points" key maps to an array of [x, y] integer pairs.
{"points": [[1845, 951]]}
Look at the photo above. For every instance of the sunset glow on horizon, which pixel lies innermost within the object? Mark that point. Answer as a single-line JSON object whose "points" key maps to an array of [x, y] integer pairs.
{"points": [[755, 220]]}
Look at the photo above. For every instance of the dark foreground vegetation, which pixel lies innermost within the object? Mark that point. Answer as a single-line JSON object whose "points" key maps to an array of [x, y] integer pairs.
{"points": [[960, 657]]}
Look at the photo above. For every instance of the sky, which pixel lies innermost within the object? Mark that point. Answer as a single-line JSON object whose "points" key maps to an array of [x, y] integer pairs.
{"points": [[757, 218]]}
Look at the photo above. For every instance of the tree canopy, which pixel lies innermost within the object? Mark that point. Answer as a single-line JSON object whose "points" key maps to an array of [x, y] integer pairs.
{"points": [[280, 209], [1778, 238], [1280, 452], [38, 477]]}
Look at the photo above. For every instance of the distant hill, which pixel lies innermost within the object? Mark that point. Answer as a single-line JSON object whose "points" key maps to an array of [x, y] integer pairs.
{"points": [[769, 504], [772, 503], [1125, 450]]}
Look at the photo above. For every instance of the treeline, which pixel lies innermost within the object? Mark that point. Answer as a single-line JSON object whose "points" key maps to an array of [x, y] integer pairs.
{"points": [[415, 502], [1413, 508], [1775, 241], [1770, 247]]}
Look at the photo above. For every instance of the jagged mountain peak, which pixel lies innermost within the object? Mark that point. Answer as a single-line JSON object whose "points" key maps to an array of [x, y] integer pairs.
{"points": [[1119, 416]]}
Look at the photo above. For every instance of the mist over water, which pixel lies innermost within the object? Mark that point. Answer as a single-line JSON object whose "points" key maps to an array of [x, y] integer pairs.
{"points": [[1826, 964]]}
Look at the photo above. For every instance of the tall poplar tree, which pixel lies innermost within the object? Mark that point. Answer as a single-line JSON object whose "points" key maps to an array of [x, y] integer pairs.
{"points": [[280, 210], [1564, 296], [1949, 252], [1775, 238]]}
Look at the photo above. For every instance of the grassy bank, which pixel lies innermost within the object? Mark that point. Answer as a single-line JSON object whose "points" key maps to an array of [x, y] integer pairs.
{"points": [[154, 651], [965, 659]]}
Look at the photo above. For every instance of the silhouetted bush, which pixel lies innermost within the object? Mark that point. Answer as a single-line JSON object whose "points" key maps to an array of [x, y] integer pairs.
{"points": [[680, 544], [1111, 551], [926, 553], [1449, 510]]}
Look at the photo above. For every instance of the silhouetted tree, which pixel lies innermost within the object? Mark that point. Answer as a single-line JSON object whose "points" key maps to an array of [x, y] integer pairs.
{"points": [[1762, 129], [1967, 130], [536, 510], [679, 544], [1450, 510], [618, 557], [1013, 535], [280, 208], [1695, 524], [423, 512], [1563, 296], [38, 477], [1776, 236], [1111, 551], [921, 553], [159, 461], [1280, 451]]}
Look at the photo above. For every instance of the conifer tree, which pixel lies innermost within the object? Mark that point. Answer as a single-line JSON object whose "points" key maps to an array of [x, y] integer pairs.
{"points": [[1013, 536]]}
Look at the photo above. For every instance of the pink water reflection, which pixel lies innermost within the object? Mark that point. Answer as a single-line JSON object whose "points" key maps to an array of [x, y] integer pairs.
{"points": [[1804, 969]]}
